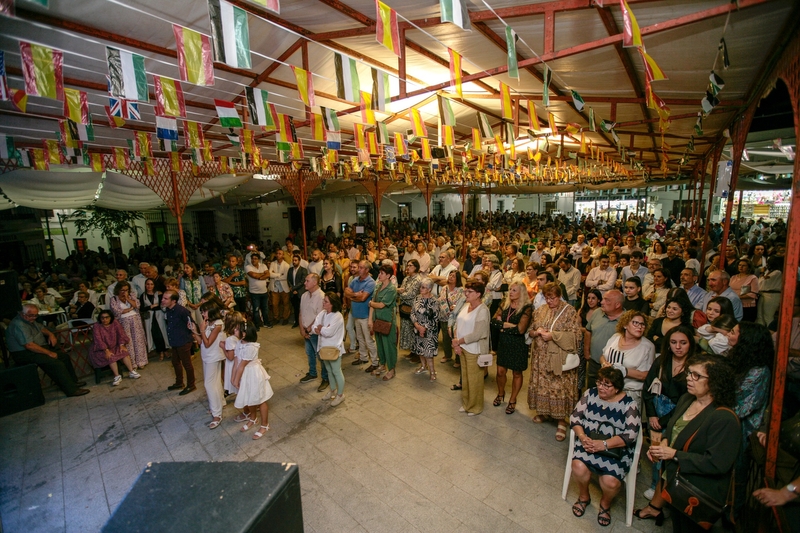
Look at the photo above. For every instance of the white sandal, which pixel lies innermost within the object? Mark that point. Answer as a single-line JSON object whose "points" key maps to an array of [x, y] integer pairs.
{"points": [[215, 423], [258, 434], [249, 422]]}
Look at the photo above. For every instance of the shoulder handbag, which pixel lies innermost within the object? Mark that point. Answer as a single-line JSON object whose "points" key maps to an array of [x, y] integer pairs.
{"points": [[485, 360], [381, 326], [613, 453], [329, 353], [405, 311], [698, 506], [573, 359]]}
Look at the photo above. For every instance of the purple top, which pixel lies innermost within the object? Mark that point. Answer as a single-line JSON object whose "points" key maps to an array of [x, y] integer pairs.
{"points": [[111, 337]]}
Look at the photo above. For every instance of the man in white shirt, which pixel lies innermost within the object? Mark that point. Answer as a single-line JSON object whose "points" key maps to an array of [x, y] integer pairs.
{"points": [[538, 253], [571, 278], [488, 239], [279, 288], [257, 275], [451, 256], [310, 307], [440, 272], [315, 265], [120, 275], [602, 277], [139, 279], [543, 278], [630, 246], [577, 248], [689, 283]]}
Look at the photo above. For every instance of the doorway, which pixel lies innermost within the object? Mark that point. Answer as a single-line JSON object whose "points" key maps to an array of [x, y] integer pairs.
{"points": [[296, 223]]}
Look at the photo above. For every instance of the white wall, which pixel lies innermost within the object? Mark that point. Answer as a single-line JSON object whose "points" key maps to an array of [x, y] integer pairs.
{"points": [[94, 240]]}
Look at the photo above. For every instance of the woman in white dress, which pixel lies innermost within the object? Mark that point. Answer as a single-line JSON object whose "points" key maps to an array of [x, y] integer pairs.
{"points": [[155, 325], [211, 339], [252, 380]]}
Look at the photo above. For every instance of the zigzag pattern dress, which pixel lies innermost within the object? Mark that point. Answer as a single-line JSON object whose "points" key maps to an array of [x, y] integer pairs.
{"points": [[620, 419]]}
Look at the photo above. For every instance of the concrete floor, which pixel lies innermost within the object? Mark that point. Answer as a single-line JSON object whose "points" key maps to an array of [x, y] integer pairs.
{"points": [[395, 456]]}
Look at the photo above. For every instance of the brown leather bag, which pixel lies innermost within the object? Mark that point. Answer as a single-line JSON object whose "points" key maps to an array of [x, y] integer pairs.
{"points": [[382, 326]]}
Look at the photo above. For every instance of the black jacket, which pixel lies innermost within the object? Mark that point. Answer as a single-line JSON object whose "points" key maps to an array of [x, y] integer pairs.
{"points": [[708, 462], [296, 278]]}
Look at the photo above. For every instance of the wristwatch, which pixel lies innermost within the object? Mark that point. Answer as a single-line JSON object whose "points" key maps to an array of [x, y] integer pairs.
{"points": [[791, 487], [605, 444]]}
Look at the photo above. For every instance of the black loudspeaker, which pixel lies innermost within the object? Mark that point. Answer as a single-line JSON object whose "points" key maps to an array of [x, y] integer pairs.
{"points": [[210, 497], [20, 389], [10, 303]]}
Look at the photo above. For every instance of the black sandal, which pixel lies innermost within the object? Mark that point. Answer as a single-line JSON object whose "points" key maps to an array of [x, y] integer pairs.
{"points": [[512, 406], [579, 507], [659, 517], [604, 521], [499, 400], [456, 387]]}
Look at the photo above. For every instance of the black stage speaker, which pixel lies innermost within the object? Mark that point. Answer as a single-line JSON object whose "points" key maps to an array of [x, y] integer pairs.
{"points": [[20, 389], [10, 303], [202, 496]]}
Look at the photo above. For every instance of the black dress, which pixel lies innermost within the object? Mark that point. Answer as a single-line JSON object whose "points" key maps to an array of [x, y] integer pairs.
{"points": [[512, 352]]}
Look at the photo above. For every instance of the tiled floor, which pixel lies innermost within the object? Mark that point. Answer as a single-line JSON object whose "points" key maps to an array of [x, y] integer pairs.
{"points": [[395, 456]]}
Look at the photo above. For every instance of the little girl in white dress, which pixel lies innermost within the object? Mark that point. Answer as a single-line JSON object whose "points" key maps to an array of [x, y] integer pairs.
{"points": [[252, 380], [233, 322]]}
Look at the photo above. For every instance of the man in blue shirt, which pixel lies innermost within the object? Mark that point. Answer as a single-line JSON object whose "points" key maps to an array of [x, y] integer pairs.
{"points": [[360, 294], [689, 283], [179, 335]]}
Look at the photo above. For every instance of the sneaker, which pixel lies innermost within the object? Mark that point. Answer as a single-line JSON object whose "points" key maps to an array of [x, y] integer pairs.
{"points": [[117, 381], [359, 362], [336, 401], [322, 386], [268, 325], [307, 378], [134, 375], [649, 493]]}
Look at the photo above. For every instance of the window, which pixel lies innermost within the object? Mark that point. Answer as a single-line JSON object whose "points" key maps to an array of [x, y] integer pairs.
{"points": [[205, 227], [549, 207], [365, 214], [247, 225], [81, 245], [501, 205], [437, 209]]}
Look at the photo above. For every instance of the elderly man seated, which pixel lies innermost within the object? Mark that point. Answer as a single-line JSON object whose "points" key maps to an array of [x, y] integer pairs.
{"points": [[31, 343]]}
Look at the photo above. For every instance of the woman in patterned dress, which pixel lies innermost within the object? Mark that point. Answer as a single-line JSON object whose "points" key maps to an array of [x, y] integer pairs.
{"points": [[556, 332], [451, 297], [425, 317], [194, 286], [408, 292], [126, 309], [605, 418]]}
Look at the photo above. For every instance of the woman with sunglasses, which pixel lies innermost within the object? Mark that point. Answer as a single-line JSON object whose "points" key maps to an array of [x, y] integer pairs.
{"points": [[630, 352], [703, 436]]}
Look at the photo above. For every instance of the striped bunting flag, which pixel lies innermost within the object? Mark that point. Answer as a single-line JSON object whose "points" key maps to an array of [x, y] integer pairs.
{"points": [[446, 112], [417, 124], [5, 94], [228, 116], [455, 71], [231, 33], [317, 127], [167, 128], [127, 75], [506, 103], [305, 85], [76, 105], [169, 97], [195, 59], [330, 119], [387, 32], [380, 90], [193, 134], [347, 84], [42, 69], [367, 113], [455, 11]]}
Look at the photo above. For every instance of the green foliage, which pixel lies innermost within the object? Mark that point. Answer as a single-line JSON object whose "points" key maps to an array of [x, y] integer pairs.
{"points": [[109, 222]]}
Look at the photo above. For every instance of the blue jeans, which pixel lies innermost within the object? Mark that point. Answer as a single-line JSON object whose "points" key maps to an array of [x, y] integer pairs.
{"points": [[311, 352], [260, 302]]}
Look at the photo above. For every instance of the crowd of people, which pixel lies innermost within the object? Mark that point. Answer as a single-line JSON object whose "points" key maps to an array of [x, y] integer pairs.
{"points": [[626, 327]]}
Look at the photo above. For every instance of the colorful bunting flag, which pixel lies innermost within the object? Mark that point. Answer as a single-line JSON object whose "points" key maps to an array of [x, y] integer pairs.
{"points": [[631, 36], [231, 33], [76, 105], [297, 150], [169, 97], [577, 101], [546, 76], [367, 114], [330, 119], [592, 125], [709, 102], [248, 141], [124, 109], [7, 8], [193, 134], [446, 111], [383, 133], [501, 149], [716, 84], [19, 99], [358, 136], [380, 90], [417, 124], [551, 119], [347, 84], [455, 11], [207, 151], [372, 143], [81, 132], [532, 117], [506, 103], [607, 125], [426, 149], [97, 162], [258, 107], [448, 137], [120, 158], [5, 94], [387, 32], [511, 49], [400, 145], [286, 130], [476, 139], [698, 125], [723, 49], [333, 140], [455, 71], [39, 159], [53, 152], [127, 75], [141, 145], [233, 138], [195, 60], [165, 145], [113, 121], [167, 128], [317, 127], [652, 71], [305, 85], [272, 5], [583, 143], [228, 116], [484, 126], [42, 69], [7, 148]]}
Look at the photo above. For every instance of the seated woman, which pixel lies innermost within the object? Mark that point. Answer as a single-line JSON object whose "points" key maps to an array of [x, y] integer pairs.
{"points": [[110, 345], [605, 420], [678, 312]]}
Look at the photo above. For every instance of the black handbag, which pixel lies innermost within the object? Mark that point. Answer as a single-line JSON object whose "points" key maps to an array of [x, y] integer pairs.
{"points": [[613, 453]]}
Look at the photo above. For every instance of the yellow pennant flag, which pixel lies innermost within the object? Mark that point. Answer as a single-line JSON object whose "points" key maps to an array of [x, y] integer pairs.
{"points": [[534, 120], [476, 139], [501, 149], [455, 71], [120, 159], [506, 102], [53, 152], [426, 149], [207, 155], [39, 159], [583, 143], [367, 114], [372, 142], [552, 119], [305, 86], [358, 133], [448, 137], [417, 125], [175, 161], [223, 164], [97, 162], [317, 127], [400, 145]]}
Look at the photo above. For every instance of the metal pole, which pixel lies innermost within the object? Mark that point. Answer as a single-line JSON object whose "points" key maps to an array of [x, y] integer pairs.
{"points": [[428, 205], [301, 184], [64, 235], [739, 213], [178, 212]]}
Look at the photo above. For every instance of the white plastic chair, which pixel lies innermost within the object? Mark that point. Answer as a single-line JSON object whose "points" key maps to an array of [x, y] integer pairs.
{"points": [[630, 477]]}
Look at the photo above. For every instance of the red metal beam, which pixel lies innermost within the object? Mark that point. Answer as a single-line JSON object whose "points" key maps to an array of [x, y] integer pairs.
{"points": [[549, 31]]}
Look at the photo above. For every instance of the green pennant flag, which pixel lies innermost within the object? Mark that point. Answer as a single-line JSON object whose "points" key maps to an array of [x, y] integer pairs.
{"points": [[546, 75], [715, 83], [592, 125], [607, 125], [511, 48], [698, 125], [577, 101]]}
